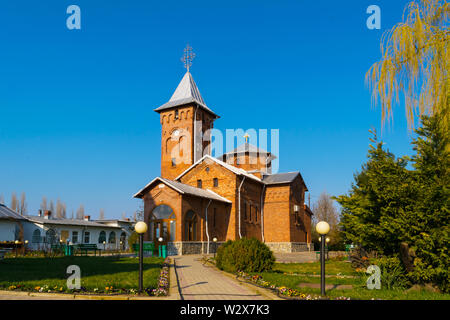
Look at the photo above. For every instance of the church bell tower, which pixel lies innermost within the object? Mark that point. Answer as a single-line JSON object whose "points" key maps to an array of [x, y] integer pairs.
{"points": [[185, 123]]}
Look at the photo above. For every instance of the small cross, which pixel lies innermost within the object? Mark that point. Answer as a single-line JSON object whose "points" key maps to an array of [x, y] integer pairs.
{"points": [[188, 56], [246, 136]]}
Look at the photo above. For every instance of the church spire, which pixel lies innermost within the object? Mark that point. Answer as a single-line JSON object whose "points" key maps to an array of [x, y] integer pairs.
{"points": [[187, 91]]}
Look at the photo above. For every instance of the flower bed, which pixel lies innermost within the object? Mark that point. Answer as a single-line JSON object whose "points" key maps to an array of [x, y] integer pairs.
{"points": [[163, 281], [282, 292], [159, 288]]}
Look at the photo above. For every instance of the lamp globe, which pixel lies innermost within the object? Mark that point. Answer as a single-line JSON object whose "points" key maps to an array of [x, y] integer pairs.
{"points": [[322, 227], [140, 227]]}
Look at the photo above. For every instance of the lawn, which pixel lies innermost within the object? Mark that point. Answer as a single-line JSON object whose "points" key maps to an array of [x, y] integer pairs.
{"points": [[339, 272], [98, 274]]}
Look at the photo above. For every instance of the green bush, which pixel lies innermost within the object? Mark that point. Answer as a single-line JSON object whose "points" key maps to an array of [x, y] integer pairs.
{"points": [[248, 255], [393, 274]]}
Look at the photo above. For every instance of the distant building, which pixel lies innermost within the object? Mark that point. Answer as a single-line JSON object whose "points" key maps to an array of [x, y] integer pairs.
{"points": [[11, 224], [44, 230]]}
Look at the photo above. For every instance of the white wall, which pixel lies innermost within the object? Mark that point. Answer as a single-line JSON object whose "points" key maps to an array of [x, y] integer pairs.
{"points": [[94, 233], [7, 230]]}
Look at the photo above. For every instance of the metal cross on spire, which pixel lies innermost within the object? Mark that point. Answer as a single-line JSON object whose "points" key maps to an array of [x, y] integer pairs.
{"points": [[188, 56], [246, 136]]}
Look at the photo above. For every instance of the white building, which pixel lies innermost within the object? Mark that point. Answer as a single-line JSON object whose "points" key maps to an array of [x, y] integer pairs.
{"points": [[10, 224], [126, 226], [44, 230]]}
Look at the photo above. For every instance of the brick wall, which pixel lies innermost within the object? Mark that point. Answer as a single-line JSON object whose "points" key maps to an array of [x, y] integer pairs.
{"points": [[181, 146], [225, 214]]}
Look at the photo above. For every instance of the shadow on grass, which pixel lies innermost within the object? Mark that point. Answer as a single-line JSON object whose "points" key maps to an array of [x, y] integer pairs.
{"points": [[34, 269]]}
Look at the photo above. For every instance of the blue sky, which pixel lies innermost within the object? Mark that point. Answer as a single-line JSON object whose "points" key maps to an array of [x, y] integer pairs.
{"points": [[76, 106]]}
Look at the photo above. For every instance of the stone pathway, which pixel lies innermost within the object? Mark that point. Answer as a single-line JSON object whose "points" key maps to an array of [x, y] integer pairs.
{"points": [[199, 282]]}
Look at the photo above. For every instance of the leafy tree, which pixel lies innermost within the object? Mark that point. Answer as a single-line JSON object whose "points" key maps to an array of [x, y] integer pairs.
{"points": [[23, 204], [324, 210], [389, 205], [51, 208], [14, 202], [430, 222], [59, 209], [44, 203], [80, 212], [381, 194], [102, 214], [415, 61]]}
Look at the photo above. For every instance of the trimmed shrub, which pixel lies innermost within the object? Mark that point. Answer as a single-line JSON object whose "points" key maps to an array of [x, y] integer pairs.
{"points": [[248, 255]]}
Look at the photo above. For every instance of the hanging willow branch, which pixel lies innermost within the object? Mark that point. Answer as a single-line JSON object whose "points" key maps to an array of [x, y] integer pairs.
{"points": [[415, 61]]}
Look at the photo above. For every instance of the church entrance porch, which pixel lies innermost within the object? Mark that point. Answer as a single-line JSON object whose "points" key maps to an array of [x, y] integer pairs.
{"points": [[162, 225]]}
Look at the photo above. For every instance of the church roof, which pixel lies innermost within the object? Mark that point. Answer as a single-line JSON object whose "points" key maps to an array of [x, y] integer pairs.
{"points": [[233, 169], [279, 178], [69, 222], [248, 148], [186, 92], [184, 189], [7, 213]]}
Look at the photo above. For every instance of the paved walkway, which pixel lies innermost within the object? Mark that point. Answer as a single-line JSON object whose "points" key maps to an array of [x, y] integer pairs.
{"points": [[199, 282]]}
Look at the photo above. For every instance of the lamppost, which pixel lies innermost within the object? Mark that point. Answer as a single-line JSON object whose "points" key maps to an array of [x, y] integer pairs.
{"points": [[104, 246], [16, 245], [26, 242], [215, 246], [326, 246], [322, 228], [160, 239], [141, 228]]}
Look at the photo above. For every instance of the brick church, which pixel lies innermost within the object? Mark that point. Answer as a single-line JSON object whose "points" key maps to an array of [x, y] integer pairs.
{"points": [[199, 198]]}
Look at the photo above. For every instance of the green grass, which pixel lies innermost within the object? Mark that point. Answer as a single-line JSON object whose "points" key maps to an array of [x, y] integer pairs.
{"points": [[332, 267], [96, 272], [290, 275]]}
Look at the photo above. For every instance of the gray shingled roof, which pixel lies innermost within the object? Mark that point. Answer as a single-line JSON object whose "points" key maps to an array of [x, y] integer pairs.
{"points": [[186, 92], [71, 222], [185, 189], [7, 213], [286, 177]]}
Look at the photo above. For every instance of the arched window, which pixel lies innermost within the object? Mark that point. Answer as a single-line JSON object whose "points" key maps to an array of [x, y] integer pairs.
{"points": [[123, 240], [50, 236], [190, 223], [123, 237], [162, 223], [163, 212], [112, 237], [36, 238], [102, 237]]}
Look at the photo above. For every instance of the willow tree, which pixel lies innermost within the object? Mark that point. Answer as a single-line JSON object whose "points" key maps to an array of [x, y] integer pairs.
{"points": [[415, 62]]}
